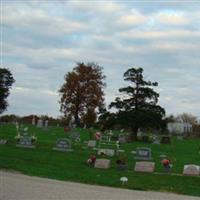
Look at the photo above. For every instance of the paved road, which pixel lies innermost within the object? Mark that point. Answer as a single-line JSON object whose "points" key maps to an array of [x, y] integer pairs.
{"points": [[21, 187]]}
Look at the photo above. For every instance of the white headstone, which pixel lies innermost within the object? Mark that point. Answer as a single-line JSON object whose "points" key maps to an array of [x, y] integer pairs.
{"points": [[46, 124], [40, 123], [191, 170], [92, 143], [102, 163], [107, 152], [144, 166], [33, 121]]}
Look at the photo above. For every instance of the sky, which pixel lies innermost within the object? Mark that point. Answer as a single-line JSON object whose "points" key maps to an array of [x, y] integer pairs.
{"points": [[41, 41]]}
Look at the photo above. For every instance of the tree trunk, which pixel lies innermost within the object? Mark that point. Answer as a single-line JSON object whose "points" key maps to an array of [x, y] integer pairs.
{"points": [[134, 133], [76, 118]]}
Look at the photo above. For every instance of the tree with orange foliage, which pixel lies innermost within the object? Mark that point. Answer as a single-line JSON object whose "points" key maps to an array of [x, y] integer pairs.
{"points": [[82, 93]]}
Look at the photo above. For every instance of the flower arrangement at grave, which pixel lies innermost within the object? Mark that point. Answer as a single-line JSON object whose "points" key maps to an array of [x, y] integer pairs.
{"points": [[91, 160], [97, 135], [121, 163], [18, 136], [33, 138]]}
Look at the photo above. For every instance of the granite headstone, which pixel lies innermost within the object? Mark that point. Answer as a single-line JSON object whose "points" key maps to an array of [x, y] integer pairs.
{"points": [[102, 163], [144, 166]]}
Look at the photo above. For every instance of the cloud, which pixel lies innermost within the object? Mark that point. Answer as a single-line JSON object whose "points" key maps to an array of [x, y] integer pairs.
{"points": [[97, 7], [134, 18], [42, 41], [171, 17], [39, 21]]}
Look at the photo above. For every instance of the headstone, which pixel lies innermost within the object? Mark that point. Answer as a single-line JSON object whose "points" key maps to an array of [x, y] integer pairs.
{"points": [[102, 163], [133, 152], [33, 121], [145, 166], [17, 126], [122, 139], [46, 122], [25, 141], [143, 153], [155, 139], [139, 133], [92, 143], [191, 170], [107, 152], [40, 123], [2, 142], [63, 144], [75, 136], [163, 156], [165, 140]]}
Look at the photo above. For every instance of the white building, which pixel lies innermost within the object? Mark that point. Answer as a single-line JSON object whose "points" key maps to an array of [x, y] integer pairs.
{"points": [[179, 127]]}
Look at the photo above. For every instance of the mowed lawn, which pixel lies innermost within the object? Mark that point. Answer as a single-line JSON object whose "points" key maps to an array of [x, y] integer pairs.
{"points": [[45, 162]]}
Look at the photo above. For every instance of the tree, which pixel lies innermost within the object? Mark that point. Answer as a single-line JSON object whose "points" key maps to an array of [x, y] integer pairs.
{"points": [[138, 107], [6, 81], [82, 93], [187, 118]]}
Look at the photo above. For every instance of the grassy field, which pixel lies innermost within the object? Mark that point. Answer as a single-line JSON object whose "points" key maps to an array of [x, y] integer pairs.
{"points": [[44, 162]]}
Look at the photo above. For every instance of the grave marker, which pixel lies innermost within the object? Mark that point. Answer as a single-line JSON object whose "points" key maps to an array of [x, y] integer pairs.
{"points": [[191, 170], [63, 144], [46, 122], [155, 139], [92, 143], [2, 142], [122, 139], [26, 142], [143, 153], [102, 163], [75, 136], [144, 166], [39, 123], [107, 152]]}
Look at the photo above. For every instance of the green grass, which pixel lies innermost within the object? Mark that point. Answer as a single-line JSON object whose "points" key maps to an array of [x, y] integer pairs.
{"points": [[44, 162]]}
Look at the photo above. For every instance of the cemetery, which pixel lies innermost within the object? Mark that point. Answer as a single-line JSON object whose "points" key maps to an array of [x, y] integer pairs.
{"points": [[63, 155]]}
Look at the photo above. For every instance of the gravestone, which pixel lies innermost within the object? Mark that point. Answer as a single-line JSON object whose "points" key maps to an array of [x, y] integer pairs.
{"points": [[25, 141], [46, 122], [92, 143], [2, 142], [165, 140], [63, 144], [33, 121], [144, 166], [40, 123], [102, 163], [155, 139], [75, 136], [122, 139], [162, 156], [191, 170], [107, 152], [143, 153]]}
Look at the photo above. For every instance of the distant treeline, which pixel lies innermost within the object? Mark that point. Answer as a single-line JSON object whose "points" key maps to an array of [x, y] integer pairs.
{"points": [[28, 119]]}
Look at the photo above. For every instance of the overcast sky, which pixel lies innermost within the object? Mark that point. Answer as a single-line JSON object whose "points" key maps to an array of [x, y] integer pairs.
{"points": [[43, 40]]}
